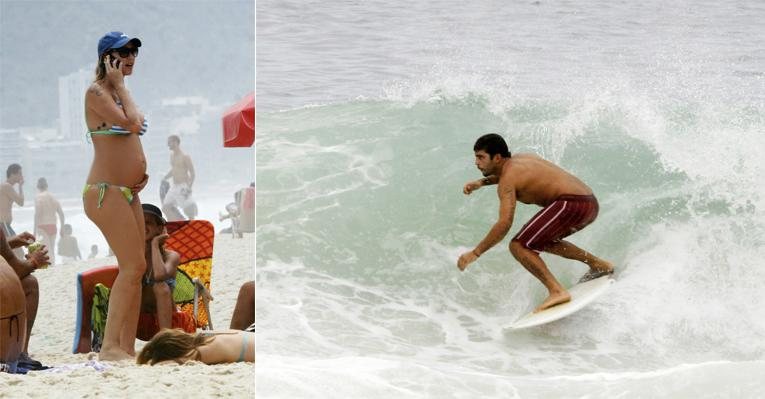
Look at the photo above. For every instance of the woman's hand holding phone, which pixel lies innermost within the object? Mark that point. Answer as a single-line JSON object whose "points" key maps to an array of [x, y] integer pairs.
{"points": [[113, 71]]}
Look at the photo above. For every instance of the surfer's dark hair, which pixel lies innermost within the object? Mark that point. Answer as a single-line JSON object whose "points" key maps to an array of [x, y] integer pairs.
{"points": [[493, 144]]}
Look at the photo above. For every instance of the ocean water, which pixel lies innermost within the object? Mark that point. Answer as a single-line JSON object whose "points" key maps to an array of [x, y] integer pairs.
{"points": [[367, 116], [211, 202]]}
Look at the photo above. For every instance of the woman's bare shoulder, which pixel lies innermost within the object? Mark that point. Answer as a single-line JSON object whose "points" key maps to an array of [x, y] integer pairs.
{"points": [[95, 89]]}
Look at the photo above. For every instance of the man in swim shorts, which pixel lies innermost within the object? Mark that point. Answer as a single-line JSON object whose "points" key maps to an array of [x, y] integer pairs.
{"points": [[182, 172], [568, 206], [46, 209]]}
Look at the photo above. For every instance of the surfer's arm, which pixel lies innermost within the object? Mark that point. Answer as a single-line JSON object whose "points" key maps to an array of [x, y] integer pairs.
{"points": [[507, 203], [476, 184], [489, 180]]}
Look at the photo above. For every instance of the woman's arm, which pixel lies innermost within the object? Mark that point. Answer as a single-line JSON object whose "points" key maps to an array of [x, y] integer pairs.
{"points": [[99, 101]]}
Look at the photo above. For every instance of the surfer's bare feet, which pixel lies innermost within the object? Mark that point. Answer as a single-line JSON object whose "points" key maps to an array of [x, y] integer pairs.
{"points": [[601, 266], [552, 300], [114, 355], [598, 268]]}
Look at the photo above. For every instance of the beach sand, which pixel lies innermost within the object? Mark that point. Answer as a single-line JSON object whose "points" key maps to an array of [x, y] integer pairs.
{"points": [[53, 334]]}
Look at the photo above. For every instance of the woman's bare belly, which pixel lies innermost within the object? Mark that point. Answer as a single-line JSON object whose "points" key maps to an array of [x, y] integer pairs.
{"points": [[118, 160]]}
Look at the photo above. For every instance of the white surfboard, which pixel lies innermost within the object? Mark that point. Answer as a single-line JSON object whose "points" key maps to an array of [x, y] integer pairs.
{"points": [[581, 295]]}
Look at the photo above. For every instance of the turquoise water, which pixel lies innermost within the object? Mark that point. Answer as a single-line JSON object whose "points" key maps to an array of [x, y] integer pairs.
{"points": [[361, 216]]}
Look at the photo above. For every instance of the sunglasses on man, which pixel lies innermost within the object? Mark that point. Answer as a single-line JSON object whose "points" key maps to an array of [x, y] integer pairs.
{"points": [[124, 52]]}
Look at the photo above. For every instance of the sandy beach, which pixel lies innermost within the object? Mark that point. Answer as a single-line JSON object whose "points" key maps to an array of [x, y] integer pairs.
{"points": [[53, 333]]}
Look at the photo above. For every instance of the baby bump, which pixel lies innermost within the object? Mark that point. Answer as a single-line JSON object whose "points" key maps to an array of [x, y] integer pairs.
{"points": [[118, 160]]}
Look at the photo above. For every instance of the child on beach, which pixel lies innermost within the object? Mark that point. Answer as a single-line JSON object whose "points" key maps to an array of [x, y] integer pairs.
{"points": [[68, 248], [93, 251], [211, 347], [232, 210]]}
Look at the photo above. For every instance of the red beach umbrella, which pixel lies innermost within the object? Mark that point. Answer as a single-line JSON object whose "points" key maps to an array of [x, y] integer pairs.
{"points": [[239, 123]]}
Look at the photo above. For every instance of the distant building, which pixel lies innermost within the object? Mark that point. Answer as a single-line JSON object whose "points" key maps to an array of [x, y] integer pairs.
{"points": [[71, 104], [10, 148]]}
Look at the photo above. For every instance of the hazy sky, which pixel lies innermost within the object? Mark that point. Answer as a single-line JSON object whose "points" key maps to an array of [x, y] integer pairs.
{"points": [[202, 48]]}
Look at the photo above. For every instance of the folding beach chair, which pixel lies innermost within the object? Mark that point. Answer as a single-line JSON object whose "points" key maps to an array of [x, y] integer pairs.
{"points": [[193, 240]]}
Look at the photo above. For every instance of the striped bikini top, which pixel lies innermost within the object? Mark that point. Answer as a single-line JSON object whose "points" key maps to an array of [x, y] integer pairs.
{"points": [[117, 129]]}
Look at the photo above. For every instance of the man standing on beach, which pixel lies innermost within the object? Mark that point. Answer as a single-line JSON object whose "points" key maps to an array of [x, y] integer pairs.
{"points": [[9, 195], [568, 206], [182, 172], [46, 209]]}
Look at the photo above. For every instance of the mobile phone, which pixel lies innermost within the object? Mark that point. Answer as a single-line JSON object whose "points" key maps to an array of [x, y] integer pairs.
{"points": [[116, 63]]}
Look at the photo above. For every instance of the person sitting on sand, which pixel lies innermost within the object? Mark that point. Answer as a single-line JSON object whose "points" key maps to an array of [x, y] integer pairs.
{"points": [[210, 347], [244, 311], [24, 269], [243, 317], [12, 318], [158, 310], [232, 213], [93, 251], [68, 248]]}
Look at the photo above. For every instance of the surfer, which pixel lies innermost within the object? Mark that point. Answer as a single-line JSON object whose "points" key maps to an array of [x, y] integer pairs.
{"points": [[568, 206]]}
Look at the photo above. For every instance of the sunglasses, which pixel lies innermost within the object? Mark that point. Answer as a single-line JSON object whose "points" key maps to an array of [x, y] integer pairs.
{"points": [[124, 52]]}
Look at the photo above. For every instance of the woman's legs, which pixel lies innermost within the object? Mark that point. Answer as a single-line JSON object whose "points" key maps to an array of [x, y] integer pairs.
{"points": [[127, 338], [116, 220]]}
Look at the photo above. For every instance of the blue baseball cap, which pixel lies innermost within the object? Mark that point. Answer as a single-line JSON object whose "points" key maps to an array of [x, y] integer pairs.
{"points": [[116, 40]]}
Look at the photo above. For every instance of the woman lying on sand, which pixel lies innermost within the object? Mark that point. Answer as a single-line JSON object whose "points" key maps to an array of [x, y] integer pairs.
{"points": [[213, 347]]}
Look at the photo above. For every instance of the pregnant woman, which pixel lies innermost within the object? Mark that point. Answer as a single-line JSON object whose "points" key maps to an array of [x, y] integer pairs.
{"points": [[116, 176]]}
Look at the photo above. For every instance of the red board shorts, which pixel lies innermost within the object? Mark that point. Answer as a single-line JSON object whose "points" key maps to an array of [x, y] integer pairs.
{"points": [[561, 218]]}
